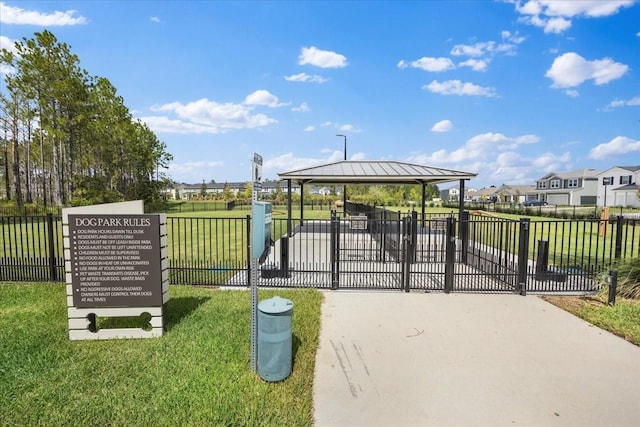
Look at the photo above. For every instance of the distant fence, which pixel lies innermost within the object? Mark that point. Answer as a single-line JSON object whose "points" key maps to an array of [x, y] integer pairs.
{"points": [[552, 211], [209, 251]]}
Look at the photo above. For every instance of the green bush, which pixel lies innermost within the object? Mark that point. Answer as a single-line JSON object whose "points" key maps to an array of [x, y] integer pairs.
{"points": [[629, 278]]}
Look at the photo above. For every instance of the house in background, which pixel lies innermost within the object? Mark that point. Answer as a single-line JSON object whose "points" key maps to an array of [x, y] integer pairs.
{"points": [[575, 188], [618, 186], [515, 193], [188, 191], [453, 194]]}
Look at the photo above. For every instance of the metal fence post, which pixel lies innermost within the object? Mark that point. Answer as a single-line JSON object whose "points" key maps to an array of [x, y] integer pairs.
{"points": [[53, 270], [414, 236], [450, 255], [334, 257], [619, 225], [523, 255], [613, 286], [463, 228]]}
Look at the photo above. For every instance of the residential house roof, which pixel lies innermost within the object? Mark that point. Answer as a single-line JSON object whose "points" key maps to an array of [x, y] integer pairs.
{"points": [[578, 173], [629, 168]]}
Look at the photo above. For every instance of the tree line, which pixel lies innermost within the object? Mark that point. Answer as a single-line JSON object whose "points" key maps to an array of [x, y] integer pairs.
{"points": [[67, 137]]}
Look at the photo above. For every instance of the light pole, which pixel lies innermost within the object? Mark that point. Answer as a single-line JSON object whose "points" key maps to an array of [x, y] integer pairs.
{"points": [[345, 145], [344, 186]]}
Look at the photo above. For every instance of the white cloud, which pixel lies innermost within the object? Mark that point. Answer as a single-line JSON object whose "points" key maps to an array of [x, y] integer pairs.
{"points": [[263, 97], [554, 15], [305, 78], [164, 124], [474, 50], [456, 87], [497, 159], [618, 146], [429, 64], [304, 107], [442, 126], [194, 169], [17, 16], [633, 102], [155, 19], [482, 147], [346, 127], [205, 116], [310, 128], [572, 93], [321, 58], [476, 64], [6, 43], [492, 141], [481, 53], [571, 70], [6, 70], [289, 162], [512, 37]]}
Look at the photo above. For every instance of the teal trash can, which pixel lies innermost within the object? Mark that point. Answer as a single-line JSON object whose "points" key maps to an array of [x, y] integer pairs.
{"points": [[274, 338]]}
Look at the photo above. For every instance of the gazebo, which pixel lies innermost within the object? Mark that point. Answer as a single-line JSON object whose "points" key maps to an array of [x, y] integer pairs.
{"points": [[378, 172]]}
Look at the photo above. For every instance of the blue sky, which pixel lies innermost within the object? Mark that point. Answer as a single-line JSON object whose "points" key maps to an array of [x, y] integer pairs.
{"points": [[510, 90]]}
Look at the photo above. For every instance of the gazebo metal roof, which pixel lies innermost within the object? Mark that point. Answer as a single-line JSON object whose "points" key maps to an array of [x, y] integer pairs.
{"points": [[374, 172]]}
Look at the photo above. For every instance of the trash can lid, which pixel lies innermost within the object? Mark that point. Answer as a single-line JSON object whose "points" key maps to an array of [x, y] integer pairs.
{"points": [[275, 305]]}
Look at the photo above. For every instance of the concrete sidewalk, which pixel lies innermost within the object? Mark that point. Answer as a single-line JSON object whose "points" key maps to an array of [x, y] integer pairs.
{"points": [[416, 359]]}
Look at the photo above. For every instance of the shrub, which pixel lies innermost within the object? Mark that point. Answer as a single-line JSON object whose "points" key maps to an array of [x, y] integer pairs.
{"points": [[629, 278]]}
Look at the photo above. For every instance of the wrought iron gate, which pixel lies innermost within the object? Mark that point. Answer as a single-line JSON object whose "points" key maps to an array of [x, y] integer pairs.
{"points": [[442, 254]]}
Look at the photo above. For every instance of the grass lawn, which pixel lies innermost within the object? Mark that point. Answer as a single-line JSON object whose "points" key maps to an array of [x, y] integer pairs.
{"points": [[197, 374], [622, 319]]}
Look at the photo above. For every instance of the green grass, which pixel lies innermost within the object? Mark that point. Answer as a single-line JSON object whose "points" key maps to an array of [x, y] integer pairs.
{"points": [[197, 374], [622, 319], [570, 242]]}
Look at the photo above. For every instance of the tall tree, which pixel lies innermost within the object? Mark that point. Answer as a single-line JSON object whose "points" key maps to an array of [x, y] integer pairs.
{"points": [[85, 143]]}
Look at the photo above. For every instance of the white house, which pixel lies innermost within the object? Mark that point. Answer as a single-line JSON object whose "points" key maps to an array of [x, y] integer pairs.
{"points": [[573, 188], [618, 186]]}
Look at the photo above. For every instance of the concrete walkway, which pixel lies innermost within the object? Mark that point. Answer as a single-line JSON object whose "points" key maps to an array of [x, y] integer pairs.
{"points": [[416, 359]]}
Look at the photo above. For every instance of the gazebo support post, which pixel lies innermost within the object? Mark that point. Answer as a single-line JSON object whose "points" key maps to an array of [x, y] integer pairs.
{"points": [[424, 199], [461, 200], [301, 204]]}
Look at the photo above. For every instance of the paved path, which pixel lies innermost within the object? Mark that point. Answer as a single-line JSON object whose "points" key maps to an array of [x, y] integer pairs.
{"points": [[416, 359]]}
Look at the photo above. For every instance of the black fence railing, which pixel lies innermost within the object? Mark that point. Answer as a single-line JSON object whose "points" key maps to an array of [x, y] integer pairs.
{"points": [[31, 248], [215, 251]]}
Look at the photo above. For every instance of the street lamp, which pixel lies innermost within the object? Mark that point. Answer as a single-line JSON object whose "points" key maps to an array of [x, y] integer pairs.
{"points": [[345, 145], [344, 186]]}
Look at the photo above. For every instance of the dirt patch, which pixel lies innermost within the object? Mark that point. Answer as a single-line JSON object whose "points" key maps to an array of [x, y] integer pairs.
{"points": [[573, 304]]}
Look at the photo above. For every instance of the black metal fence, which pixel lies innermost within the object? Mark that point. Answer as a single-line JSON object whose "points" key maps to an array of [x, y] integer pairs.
{"points": [[374, 249]]}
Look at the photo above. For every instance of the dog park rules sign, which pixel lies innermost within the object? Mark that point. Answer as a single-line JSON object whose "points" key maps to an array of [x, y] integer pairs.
{"points": [[115, 260]]}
